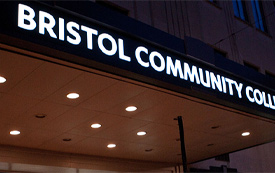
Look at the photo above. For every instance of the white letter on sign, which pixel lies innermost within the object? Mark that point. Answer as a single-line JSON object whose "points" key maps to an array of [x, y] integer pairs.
{"points": [[77, 39], [22, 17], [103, 48], [48, 26]]}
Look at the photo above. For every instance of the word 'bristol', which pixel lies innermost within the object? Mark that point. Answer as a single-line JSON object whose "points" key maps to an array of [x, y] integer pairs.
{"points": [[155, 60]]}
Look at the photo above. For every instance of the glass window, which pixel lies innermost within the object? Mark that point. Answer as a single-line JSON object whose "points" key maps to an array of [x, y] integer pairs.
{"points": [[259, 15], [213, 1], [240, 9]]}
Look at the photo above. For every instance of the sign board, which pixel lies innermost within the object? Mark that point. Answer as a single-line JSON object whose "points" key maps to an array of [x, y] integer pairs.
{"points": [[47, 26]]}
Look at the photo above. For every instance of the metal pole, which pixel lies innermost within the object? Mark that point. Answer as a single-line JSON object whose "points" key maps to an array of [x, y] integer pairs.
{"points": [[183, 152]]}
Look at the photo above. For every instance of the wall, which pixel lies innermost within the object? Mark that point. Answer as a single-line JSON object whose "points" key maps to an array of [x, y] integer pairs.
{"points": [[256, 159], [214, 24]]}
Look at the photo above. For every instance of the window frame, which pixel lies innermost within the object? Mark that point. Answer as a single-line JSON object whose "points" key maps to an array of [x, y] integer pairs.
{"points": [[259, 16], [240, 10], [213, 1]]}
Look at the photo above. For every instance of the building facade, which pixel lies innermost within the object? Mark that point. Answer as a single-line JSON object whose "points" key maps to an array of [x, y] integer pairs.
{"points": [[209, 62]]}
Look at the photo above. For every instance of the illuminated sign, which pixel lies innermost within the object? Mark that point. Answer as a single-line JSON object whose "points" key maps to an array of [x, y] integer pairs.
{"points": [[101, 44]]}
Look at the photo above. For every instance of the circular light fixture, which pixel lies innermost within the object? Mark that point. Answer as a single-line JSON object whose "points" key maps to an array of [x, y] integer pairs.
{"points": [[149, 150], [14, 132], [96, 126], [2, 79], [215, 127], [131, 108], [111, 145], [245, 133], [141, 133], [72, 96], [40, 115]]}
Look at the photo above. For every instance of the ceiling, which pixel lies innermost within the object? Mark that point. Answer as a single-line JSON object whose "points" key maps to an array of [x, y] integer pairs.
{"points": [[36, 86]]}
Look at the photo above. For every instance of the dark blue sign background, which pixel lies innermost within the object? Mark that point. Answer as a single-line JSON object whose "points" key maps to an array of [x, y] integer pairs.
{"points": [[32, 40]]}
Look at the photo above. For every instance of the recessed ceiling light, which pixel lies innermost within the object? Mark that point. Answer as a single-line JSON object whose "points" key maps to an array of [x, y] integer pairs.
{"points": [[72, 95], [131, 108], [111, 145], [149, 150], [40, 115], [215, 127], [245, 133], [14, 132], [141, 133], [2, 79], [96, 126]]}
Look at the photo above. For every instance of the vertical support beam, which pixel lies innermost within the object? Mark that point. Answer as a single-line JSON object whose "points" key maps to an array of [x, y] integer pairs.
{"points": [[183, 152]]}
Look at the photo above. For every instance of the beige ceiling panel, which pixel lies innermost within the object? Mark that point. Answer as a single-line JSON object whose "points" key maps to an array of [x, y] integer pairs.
{"points": [[260, 131], [170, 154], [15, 140], [70, 119], [37, 137], [147, 152], [165, 112], [45, 80], [86, 85], [112, 96], [194, 156], [228, 124], [191, 156], [142, 101], [14, 68], [155, 128], [106, 120], [50, 110], [157, 141], [151, 129], [63, 142], [12, 106], [211, 147], [157, 135], [195, 140], [115, 131], [134, 151], [94, 146], [198, 115], [234, 127]]}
